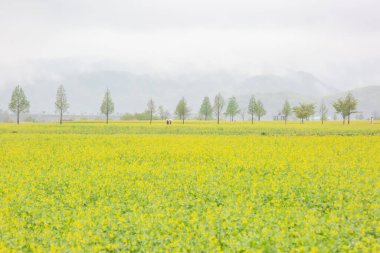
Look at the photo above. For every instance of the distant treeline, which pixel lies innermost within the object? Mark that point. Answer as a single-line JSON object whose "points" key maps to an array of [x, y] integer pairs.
{"points": [[209, 109]]}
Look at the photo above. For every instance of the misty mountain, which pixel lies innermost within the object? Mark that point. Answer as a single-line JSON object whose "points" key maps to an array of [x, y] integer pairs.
{"points": [[297, 82], [131, 91]]}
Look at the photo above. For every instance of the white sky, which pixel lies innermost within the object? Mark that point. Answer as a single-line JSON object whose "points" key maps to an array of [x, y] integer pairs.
{"points": [[336, 40]]}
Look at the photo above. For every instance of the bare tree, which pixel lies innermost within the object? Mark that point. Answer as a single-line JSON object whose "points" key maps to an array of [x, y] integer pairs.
{"points": [[242, 113], [161, 112], [151, 109], [218, 106]]}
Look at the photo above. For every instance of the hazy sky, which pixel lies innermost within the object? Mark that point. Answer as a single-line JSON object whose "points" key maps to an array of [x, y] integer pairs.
{"points": [[336, 40]]}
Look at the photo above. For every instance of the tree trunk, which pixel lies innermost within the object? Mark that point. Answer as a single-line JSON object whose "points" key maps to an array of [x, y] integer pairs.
{"points": [[348, 119], [286, 119], [252, 118], [183, 119], [107, 117], [18, 117], [218, 117], [259, 118], [60, 118], [151, 116]]}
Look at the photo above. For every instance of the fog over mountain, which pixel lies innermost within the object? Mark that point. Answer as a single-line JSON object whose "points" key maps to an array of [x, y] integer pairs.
{"points": [[299, 50]]}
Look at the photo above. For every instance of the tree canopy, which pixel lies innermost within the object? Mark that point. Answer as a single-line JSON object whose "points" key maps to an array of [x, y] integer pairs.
{"points": [[61, 104], [323, 111], [346, 106], [182, 110], [206, 109], [251, 107], [19, 103], [259, 109], [232, 108], [286, 110], [107, 106], [304, 111]]}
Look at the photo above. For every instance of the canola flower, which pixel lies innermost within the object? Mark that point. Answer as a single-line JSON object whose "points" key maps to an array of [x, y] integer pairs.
{"points": [[70, 189]]}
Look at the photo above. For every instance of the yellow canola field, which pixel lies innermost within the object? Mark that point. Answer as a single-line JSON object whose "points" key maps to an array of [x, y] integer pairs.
{"points": [[148, 193]]}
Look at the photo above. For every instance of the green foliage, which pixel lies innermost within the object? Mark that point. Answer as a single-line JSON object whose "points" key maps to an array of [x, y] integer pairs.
{"points": [[346, 106], [251, 107], [323, 111], [206, 109], [197, 127], [182, 110], [304, 111], [286, 110], [19, 103], [61, 104], [259, 109], [135, 187], [138, 116], [107, 106], [232, 108]]}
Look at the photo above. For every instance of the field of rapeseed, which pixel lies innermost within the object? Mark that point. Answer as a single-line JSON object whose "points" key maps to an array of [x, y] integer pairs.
{"points": [[199, 187]]}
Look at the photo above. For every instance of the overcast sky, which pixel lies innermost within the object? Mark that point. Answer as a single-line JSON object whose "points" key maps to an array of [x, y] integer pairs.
{"points": [[336, 40]]}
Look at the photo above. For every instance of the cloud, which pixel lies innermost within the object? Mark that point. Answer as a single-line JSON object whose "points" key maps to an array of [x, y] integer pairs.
{"points": [[337, 40]]}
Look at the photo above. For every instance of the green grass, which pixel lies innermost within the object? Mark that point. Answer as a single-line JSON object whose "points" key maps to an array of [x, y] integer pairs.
{"points": [[197, 127]]}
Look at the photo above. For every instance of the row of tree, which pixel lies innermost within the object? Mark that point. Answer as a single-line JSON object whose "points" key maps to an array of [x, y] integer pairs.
{"points": [[345, 106], [255, 108]]}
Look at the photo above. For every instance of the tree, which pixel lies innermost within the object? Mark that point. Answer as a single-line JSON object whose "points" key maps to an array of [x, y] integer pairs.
{"points": [[346, 106], [251, 107], [323, 111], [61, 104], [19, 103], [107, 106], [206, 108], [259, 110], [151, 109], [232, 108], [161, 112], [286, 110], [182, 110], [304, 111], [242, 113], [218, 106], [164, 114]]}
